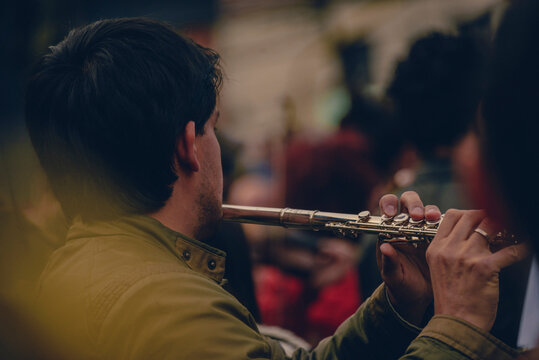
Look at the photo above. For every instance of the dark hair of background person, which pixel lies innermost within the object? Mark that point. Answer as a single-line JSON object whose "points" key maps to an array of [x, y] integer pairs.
{"points": [[105, 108], [335, 174], [374, 120], [510, 114], [436, 90]]}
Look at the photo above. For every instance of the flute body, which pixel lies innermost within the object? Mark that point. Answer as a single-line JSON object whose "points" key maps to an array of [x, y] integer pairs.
{"points": [[398, 229]]}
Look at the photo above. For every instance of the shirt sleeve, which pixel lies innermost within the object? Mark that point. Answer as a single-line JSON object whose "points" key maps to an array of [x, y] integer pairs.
{"points": [[373, 332], [185, 316], [447, 337], [377, 331]]}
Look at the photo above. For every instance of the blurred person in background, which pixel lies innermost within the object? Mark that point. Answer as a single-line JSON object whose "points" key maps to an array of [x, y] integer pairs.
{"points": [[498, 160], [314, 274], [435, 93], [313, 284], [386, 152]]}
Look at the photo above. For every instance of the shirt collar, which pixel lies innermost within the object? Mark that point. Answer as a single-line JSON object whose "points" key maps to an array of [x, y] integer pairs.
{"points": [[198, 256]]}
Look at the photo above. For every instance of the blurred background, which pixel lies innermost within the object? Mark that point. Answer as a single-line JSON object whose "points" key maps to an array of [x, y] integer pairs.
{"points": [[327, 104]]}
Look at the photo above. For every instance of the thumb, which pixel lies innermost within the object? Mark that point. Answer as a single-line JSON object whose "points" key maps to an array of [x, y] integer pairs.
{"points": [[389, 260]]}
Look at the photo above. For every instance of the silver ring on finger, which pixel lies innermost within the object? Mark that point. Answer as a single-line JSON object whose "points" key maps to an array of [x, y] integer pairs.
{"points": [[483, 233]]}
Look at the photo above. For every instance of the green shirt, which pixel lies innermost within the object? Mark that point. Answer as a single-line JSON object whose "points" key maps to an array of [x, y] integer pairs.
{"points": [[134, 289]]}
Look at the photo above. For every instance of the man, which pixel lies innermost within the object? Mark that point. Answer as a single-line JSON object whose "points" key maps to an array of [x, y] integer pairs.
{"points": [[122, 115]]}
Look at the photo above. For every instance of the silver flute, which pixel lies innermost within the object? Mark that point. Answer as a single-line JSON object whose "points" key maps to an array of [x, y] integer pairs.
{"points": [[400, 229]]}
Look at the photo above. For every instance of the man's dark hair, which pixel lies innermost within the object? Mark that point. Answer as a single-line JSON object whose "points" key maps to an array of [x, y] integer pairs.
{"points": [[105, 108], [511, 116], [436, 90]]}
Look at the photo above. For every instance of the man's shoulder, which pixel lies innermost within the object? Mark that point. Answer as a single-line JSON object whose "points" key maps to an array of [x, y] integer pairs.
{"points": [[91, 259], [84, 278], [183, 314], [96, 291]]}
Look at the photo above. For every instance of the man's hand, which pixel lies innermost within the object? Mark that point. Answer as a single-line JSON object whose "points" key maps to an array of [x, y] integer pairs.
{"points": [[403, 267], [464, 272]]}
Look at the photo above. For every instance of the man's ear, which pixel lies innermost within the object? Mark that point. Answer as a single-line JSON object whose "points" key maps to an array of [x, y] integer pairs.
{"points": [[186, 148]]}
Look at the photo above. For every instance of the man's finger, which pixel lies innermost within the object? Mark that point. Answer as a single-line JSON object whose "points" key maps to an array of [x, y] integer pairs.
{"points": [[451, 218], [469, 221], [432, 213], [412, 204], [509, 255], [389, 205], [484, 233]]}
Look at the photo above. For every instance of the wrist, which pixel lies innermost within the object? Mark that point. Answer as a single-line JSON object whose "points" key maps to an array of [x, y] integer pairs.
{"points": [[479, 314], [412, 313], [475, 318]]}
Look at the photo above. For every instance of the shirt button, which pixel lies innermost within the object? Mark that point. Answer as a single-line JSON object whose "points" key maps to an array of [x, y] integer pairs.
{"points": [[186, 254], [212, 264]]}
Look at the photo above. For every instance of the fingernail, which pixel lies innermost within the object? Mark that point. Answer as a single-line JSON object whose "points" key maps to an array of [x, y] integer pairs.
{"points": [[417, 211], [390, 210]]}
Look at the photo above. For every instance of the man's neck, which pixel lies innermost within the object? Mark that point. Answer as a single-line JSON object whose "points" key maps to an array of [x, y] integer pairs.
{"points": [[179, 214]]}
